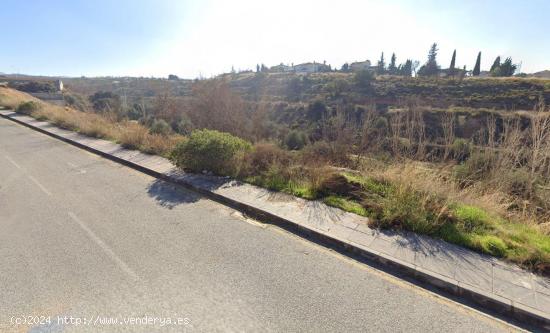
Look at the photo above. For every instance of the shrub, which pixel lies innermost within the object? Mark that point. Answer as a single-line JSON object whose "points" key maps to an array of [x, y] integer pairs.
{"points": [[476, 168], [461, 149], [184, 126], [363, 79], [75, 101], [408, 209], [211, 150], [316, 110], [322, 152], [381, 123], [160, 144], [518, 182], [264, 156], [27, 107], [319, 151], [132, 135], [161, 127], [295, 140]]}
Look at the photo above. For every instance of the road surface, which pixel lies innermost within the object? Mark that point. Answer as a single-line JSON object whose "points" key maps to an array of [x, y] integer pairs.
{"points": [[92, 245]]}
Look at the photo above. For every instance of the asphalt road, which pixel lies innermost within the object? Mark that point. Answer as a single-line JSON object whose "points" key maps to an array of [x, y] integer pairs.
{"points": [[85, 240]]}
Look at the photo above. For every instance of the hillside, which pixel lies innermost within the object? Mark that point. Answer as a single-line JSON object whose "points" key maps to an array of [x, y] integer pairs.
{"points": [[542, 74], [493, 93]]}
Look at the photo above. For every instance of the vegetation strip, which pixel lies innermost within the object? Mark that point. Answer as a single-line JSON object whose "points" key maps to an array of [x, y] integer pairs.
{"points": [[389, 201], [487, 300]]}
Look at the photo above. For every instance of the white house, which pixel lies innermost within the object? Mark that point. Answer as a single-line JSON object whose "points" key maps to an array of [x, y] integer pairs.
{"points": [[281, 68], [311, 67], [361, 65]]}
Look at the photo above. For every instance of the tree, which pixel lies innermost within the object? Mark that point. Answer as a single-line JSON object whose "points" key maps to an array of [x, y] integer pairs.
{"points": [[406, 68], [381, 69], [495, 68], [295, 140], [316, 110], [477, 67], [392, 68], [106, 101], [345, 67], [430, 68], [507, 68], [257, 68], [452, 70], [363, 79], [415, 65]]}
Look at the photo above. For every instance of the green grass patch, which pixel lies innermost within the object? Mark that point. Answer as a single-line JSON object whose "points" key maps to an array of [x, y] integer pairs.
{"points": [[369, 184], [402, 207], [346, 204], [278, 183]]}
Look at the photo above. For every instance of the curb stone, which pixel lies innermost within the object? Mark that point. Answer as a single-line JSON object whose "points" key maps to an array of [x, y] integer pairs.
{"points": [[487, 301]]}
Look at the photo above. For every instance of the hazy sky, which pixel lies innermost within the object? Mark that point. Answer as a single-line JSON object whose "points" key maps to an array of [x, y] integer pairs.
{"points": [[192, 38]]}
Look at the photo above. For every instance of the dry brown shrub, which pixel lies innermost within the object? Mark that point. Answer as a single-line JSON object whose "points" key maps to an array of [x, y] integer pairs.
{"points": [[264, 156], [215, 106], [131, 135], [160, 144]]}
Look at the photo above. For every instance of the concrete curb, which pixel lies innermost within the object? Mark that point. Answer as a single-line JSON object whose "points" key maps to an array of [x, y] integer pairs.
{"points": [[486, 301]]}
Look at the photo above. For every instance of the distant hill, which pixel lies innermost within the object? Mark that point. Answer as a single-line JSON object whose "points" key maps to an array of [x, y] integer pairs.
{"points": [[542, 74]]}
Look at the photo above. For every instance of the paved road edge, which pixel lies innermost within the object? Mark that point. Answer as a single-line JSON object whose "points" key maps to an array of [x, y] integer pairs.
{"points": [[491, 302]]}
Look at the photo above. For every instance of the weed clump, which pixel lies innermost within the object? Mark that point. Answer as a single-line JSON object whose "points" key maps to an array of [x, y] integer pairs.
{"points": [[27, 107]]}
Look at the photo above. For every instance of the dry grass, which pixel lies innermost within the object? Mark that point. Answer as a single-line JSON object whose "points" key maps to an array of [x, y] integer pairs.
{"points": [[128, 133], [437, 179], [11, 98]]}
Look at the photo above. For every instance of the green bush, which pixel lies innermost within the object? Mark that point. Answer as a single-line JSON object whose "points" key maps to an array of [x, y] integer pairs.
{"points": [[161, 127], [381, 123], [410, 210], [218, 152], [295, 140], [27, 107], [184, 126], [518, 182], [319, 152], [461, 149], [476, 168], [363, 79]]}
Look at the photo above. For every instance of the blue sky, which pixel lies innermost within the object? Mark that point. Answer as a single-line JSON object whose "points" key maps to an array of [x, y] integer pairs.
{"points": [[204, 38]]}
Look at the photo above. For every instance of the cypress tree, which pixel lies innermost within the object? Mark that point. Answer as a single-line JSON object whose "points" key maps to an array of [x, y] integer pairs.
{"points": [[392, 67], [496, 65], [452, 66], [495, 68], [381, 65], [477, 67]]}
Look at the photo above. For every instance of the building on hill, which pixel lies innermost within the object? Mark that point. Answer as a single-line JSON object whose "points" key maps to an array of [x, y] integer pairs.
{"points": [[311, 67], [362, 65], [281, 68], [446, 72], [485, 74]]}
